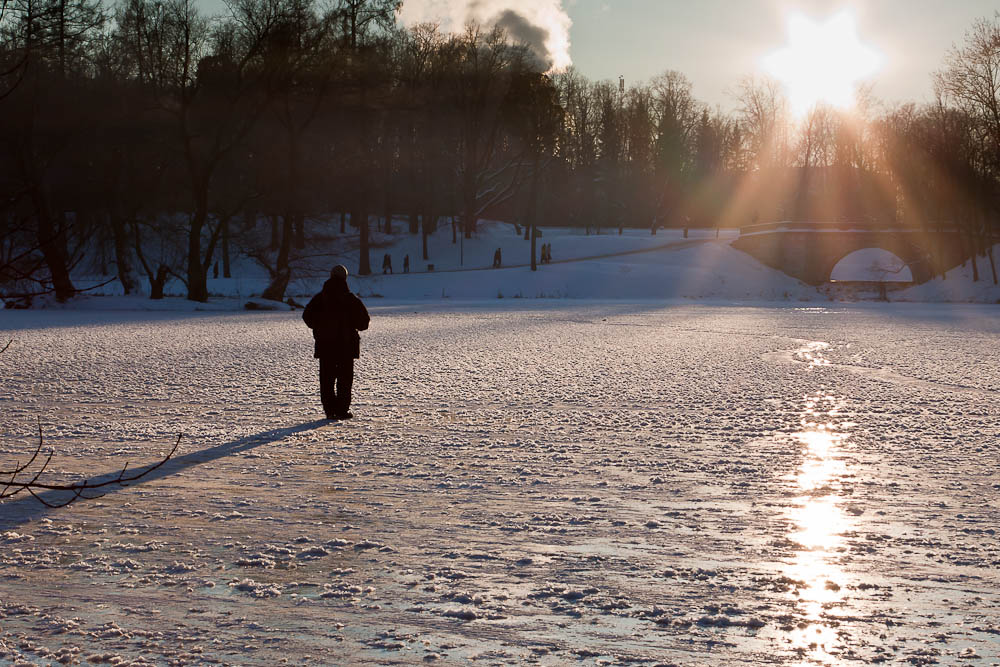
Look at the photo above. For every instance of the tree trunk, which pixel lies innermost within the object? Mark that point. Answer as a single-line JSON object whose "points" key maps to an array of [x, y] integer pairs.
{"points": [[275, 290], [122, 263], [157, 282], [282, 272], [52, 241], [387, 226], [276, 233], [469, 220], [197, 275], [973, 250], [533, 209], [426, 228], [343, 222], [993, 265], [53, 244], [84, 220], [414, 222], [364, 263], [226, 273], [300, 231]]}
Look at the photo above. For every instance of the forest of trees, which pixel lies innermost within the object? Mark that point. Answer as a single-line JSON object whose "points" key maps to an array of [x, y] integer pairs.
{"points": [[160, 140]]}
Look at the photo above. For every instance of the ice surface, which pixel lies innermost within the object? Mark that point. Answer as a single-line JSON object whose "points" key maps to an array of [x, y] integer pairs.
{"points": [[524, 482]]}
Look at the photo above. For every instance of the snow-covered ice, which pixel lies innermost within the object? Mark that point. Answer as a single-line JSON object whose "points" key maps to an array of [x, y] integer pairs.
{"points": [[550, 482]]}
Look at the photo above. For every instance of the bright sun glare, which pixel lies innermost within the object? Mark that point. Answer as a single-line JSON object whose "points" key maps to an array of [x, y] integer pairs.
{"points": [[823, 62]]}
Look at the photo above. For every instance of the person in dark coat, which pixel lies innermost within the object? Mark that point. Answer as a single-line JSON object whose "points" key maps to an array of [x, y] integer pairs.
{"points": [[386, 263], [335, 316]]}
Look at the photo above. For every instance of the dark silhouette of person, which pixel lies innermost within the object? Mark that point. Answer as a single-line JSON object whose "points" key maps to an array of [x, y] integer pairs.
{"points": [[497, 259], [335, 316], [406, 263], [386, 263]]}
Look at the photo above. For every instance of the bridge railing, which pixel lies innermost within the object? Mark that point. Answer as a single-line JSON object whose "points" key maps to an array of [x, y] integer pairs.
{"points": [[856, 226]]}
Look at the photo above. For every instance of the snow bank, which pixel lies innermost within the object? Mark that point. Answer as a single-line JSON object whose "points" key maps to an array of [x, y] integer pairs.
{"points": [[706, 270], [958, 285]]}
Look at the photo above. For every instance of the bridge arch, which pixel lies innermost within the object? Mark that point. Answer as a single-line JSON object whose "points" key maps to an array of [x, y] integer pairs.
{"points": [[913, 258], [809, 251], [872, 265]]}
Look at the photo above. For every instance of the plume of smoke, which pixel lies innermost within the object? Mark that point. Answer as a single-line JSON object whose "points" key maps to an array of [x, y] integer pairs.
{"points": [[542, 25]]}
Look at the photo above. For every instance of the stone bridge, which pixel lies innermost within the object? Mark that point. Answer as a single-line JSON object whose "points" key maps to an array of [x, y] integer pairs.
{"points": [[809, 251]]}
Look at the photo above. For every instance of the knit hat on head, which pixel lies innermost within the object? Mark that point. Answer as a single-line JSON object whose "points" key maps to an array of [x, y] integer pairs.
{"points": [[339, 271]]}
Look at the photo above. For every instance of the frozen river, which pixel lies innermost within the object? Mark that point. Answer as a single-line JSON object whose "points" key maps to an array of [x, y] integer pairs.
{"points": [[546, 482]]}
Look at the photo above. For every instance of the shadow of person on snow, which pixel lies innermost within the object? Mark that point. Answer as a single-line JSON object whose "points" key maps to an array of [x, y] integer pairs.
{"points": [[26, 508]]}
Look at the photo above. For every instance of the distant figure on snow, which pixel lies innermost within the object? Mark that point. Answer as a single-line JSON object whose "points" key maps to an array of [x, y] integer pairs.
{"points": [[497, 259], [386, 263], [335, 316], [406, 263]]}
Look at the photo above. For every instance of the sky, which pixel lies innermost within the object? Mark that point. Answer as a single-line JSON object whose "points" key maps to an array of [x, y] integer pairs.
{"points": [[717, 42]]}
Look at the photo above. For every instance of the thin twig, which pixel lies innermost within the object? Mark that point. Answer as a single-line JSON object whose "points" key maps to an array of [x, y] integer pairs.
{"points": [[12, 487]]}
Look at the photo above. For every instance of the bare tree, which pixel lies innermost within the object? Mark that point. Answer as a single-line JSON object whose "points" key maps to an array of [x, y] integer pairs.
{"points": [[971, 80], [532, 108], [484, 68], [676, 114], [764, 114]]}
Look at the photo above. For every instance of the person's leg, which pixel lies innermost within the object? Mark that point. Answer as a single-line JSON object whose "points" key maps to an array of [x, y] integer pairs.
{"points": [[327, 385], [345, 381]]}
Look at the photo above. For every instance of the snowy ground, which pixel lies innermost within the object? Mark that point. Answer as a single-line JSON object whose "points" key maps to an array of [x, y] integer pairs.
{"points": [[525, 481]]}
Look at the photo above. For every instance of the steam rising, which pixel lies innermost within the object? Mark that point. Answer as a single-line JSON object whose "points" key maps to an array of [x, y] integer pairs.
{"points": [[542, 25]]}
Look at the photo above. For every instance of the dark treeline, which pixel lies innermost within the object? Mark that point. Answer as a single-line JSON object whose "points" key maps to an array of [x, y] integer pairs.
{"points": [[161, 140]]}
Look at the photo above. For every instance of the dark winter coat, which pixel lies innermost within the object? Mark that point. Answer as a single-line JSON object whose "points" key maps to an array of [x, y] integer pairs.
{"points": [[335, 316]]}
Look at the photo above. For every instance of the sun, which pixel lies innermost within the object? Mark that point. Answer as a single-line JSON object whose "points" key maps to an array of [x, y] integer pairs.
{"points": [[823, 62]]}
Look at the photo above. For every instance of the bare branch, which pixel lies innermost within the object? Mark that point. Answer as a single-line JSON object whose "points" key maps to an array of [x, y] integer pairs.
{"points": [[47, 289], [11, 486]]}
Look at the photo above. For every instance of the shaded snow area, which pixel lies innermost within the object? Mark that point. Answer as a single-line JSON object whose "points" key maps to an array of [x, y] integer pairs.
{"points": [[524, 482], [958, 285], [635, 265]]}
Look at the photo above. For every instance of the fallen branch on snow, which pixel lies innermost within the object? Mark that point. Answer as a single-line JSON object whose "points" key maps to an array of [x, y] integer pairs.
{"points": [[79, 490], [11, 485]]}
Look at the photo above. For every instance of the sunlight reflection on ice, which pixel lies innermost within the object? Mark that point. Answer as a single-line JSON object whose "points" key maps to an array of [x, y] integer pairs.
{"points": [[820, 523], [812, 354]]}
